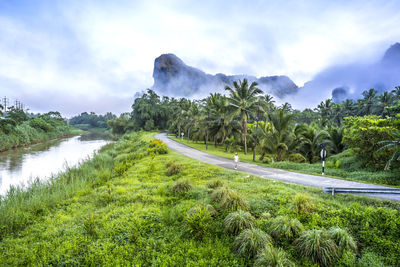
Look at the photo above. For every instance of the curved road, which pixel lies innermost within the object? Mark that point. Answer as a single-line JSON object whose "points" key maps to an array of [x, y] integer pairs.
{"points": [[276, 174]]}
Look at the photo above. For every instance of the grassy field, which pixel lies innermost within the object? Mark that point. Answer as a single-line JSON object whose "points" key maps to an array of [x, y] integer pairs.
{"points": [[131, 205], [358, 175]]}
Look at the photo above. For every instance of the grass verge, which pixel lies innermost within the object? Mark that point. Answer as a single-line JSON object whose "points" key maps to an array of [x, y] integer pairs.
{"points": [[120, 209], [374, 177]]}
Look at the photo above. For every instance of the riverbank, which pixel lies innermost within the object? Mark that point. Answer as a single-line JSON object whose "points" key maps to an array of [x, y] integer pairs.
{"points": [[30, 136], [130, 205], [385, 178]]}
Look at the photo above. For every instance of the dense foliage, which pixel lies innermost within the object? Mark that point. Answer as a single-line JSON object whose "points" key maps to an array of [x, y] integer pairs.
{"points": [[102, 214], [18, 128], [245, 117]]}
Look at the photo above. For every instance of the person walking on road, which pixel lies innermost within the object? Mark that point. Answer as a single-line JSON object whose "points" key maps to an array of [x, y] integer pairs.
{"points": [[236, 160]]}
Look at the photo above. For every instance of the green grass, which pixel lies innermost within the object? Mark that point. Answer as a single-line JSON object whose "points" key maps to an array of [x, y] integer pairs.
{"points": [[91, 215], [374, 177]]}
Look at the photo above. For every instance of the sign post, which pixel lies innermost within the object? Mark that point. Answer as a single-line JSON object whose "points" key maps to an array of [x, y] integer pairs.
{"points": [[182, 134], [323, 156]]}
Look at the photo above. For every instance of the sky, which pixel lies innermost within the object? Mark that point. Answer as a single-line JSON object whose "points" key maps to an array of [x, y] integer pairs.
{"points": [[76, 56]]}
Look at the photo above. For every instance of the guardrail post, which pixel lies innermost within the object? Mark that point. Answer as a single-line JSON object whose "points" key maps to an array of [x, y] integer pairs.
{"points": [[333, 191]]}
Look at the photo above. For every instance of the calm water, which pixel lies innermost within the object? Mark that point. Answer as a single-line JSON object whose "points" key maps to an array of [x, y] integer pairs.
{"points": [[18, 167]]}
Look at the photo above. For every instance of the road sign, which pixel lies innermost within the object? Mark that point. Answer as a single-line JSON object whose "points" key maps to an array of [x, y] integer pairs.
{"points": [[323, 154]]}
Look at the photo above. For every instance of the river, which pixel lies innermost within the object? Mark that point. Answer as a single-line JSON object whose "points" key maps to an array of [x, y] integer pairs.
{"points": [[19, 166]]}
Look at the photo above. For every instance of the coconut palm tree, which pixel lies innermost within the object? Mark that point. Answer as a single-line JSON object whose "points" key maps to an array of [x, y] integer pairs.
{"points": [[276, 135], [385, 99], [369, 101], [244, 98]]}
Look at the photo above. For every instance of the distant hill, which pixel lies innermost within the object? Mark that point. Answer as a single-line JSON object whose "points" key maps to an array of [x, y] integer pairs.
{"points": [[173, 77]]}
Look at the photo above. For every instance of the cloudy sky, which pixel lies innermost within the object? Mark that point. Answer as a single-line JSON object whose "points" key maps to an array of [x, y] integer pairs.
{"points": [[75, 56]]}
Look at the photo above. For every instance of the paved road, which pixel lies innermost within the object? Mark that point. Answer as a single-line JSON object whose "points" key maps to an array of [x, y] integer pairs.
{"points": [[265, 172]]}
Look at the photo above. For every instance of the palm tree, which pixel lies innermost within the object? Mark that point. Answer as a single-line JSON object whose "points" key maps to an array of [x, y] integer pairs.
{"points": [[325, 108], [386, 99], [244, 98], [369, 101], [335, 137], [276, 135], [391, 144], [311, 138], [396, 92]]}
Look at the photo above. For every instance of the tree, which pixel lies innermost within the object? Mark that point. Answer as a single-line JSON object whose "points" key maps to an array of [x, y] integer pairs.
{"points": [[387, 144], [276, 135], [243, 97]]}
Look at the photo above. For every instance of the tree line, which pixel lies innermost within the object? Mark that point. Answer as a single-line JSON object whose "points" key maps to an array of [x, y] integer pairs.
{"points": [[247, 119]]}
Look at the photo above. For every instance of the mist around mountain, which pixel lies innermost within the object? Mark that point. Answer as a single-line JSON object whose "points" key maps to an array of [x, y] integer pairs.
{"points": [[174, 78], [349, 81]]}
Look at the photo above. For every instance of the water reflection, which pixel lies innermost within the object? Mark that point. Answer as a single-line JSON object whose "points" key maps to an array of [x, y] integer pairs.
{"points": [[19, 166]]}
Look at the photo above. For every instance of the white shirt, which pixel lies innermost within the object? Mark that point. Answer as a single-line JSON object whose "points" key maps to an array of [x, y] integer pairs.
{"points": [[236, 158]]}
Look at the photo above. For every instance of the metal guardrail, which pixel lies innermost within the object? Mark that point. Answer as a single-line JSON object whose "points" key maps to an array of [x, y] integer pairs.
{"points": [[352, 190]]}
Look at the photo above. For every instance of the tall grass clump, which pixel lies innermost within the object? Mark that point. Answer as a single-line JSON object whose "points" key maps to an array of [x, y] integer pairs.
{"points": [[174, 168], [229, 199], [198, 222], [216, 183], [302, 203], [237, 221], [250, 241], [283, 227], [318, 246], [343, 239], [181, 187], [271, 256]]}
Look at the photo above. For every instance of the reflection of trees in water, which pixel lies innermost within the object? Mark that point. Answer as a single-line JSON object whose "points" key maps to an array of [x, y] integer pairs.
{"points": [[13, 159]]}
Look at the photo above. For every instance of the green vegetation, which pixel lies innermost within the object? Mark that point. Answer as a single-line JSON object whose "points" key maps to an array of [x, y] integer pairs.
{"points": [[18, 128], [95, 126], [120, 208], [353, 171], [353, 132]]}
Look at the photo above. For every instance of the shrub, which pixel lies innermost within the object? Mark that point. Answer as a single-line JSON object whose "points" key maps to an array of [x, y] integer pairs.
{"points": [[363, 135], [220, 193], [370, 259], [121, 168], [338, 164], [302, 203], [157, 146], [343, 239], [39, 123], [198, 222], [174, 168], [297, 157], [318, 246], [181, 187], [237, 221], [249, 241], [271, 256], [229, 199], [267, 159], [89, 225], [330, 164], [215, 183], [284, 227]]}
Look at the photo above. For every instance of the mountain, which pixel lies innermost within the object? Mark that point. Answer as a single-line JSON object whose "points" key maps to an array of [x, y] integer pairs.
{"points": [[348, 81], [173, 77]]}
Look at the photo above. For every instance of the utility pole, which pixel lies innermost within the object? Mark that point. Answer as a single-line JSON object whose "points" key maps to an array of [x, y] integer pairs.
{"points": [[5, 102]]}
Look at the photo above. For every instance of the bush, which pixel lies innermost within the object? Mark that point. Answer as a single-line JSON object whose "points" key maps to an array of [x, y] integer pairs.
{"points": [[363, 135], [39, 123], [343, 239], [216, 183], [89, 225], [250, 241], [229, 199], [198, 222], [267, 159], [174, 168], [370, 259], [318, 246], [181, 187], [157, 146], [271, 256], [284, 227], [302, 203], [237, 221], [297, 157]]}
